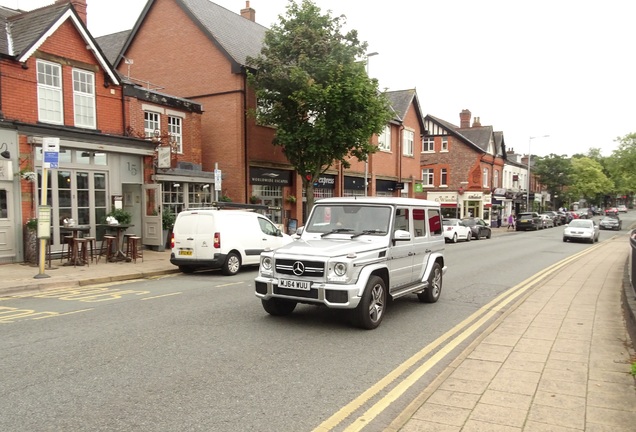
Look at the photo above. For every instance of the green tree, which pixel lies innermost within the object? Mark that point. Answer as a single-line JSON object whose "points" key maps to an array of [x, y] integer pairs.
{"points": [[554, 172], [311, 85], [621, 165], [588, 180]]}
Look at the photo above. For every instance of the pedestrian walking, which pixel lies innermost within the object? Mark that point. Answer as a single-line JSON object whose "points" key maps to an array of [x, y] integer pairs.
{"points": [[499, 220], [511, 221]]}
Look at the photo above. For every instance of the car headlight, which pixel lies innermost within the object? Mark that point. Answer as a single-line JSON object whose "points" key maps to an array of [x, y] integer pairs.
{"points": [[340, 269], [266, 263]]}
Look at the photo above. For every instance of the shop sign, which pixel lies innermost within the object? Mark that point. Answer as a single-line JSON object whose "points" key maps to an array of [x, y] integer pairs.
{"points": [[442, 198], [326, 181], [267, 176], [474, 196]]}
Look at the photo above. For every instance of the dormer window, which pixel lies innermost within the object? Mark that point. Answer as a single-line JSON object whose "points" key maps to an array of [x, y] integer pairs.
{"points": [[49, 92]]}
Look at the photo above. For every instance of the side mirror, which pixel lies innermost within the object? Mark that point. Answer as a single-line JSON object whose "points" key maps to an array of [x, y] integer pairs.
{"points": [[401, 235], [299, 231]]}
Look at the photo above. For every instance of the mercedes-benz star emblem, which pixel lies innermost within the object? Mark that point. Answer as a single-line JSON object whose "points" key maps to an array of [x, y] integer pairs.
{"points": [[298, 268]]}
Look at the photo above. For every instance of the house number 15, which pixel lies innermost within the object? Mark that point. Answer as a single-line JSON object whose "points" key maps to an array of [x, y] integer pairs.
{"points": [[132, 168]]}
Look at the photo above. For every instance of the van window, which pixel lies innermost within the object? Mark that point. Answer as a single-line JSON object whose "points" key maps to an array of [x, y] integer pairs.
{"points": [[401, 219], [419, 222], [267, 227], [435, 222]]}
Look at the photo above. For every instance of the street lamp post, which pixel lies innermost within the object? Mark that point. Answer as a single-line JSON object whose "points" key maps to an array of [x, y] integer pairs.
{"points": [[366, 162], [529, 156], [461, 188]]}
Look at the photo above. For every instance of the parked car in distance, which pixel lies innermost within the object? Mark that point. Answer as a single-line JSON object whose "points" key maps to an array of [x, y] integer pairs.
{"points": [[528, 221], [455, 229], [622, 208], [555, 217], [547, 220], [611, 223], [585, 213], [581, 230], [478, 226], [563, 217]]}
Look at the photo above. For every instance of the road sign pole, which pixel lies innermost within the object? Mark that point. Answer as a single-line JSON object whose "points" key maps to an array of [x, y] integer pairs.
{"points": [[42, 255]]}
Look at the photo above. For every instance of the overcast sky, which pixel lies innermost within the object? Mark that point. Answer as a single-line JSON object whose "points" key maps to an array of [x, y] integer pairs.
{"points": [[562, 68]]}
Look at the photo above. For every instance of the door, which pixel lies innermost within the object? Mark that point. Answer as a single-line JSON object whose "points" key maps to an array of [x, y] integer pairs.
{"points": [[400, 252], [7, 223], [151, 217]]}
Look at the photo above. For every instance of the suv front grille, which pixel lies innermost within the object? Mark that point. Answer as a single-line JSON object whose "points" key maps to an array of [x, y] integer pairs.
{"points": [[300, 268]]}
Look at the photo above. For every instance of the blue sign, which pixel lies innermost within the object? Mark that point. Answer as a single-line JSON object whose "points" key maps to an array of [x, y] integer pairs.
{"points": [[51, 159]]}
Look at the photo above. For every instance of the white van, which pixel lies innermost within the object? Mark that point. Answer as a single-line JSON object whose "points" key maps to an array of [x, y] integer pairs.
{"points": [[225, 239]]}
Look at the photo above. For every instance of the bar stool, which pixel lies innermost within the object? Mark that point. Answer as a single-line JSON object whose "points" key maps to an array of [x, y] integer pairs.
{"points": [[134, 248], [91, 243], [106, 248], [67, 240], [79, 251], [125, 240]]}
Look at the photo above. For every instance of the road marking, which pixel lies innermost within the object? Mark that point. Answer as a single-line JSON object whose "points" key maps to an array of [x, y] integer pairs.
{"points": [[11, 315], [160, 296], [471, 325]]}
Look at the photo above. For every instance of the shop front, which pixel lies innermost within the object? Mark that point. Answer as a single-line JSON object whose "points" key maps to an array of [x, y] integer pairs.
{"points": [[268, 189]]}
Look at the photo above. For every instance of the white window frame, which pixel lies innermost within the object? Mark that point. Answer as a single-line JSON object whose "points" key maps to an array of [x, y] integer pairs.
{"points": [[443, 177], [408, 136], [175, 129], [444, 144], [151, 124], [428, 177], [428, 145], [50, 95], [84, 98], [496, 179], [484, 178], [384, 139]]}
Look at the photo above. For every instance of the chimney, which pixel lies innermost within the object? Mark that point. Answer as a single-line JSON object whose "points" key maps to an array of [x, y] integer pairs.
{"points": [[80, 8], [476, 122], [248, 12], [464, 119]]}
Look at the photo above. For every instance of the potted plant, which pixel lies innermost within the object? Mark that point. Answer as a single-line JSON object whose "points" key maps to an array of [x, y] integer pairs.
{"points": [[122, 216], [167, 223], [291, 199], [254, 199], [31, 241]]}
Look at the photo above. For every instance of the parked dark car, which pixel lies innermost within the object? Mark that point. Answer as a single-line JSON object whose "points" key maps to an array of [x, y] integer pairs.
{"points": [[555, 217], [478, 227], [611, 223], [585, 213], [563, 217], [529, 221]]}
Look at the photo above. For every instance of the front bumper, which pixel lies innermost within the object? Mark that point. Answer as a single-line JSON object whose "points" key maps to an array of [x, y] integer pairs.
{"points": [[331, 295]]}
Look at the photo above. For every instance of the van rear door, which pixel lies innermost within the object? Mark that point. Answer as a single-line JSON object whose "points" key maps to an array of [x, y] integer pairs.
{"points": [[203, 236]]}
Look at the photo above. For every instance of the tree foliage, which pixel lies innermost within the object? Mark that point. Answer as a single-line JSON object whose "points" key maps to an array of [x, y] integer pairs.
{"points": [[621, 166], [588, 180], [312, 86]]}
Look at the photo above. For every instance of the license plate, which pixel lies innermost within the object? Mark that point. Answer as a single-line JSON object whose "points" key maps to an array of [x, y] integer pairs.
{"points": [[293, 284], [185, 252], [524, 220]]}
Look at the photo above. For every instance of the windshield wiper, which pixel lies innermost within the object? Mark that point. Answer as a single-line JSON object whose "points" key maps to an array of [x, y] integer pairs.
{"points": [[371, 231], [336, 231]]}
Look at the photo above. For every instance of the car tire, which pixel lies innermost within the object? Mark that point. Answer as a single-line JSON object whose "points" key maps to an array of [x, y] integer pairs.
{"points": [[565, 239], [432, 293], [278, 307], [370, 311], [489, 234], [469, 237], [186, 269], [454, 239], [232, 264]]}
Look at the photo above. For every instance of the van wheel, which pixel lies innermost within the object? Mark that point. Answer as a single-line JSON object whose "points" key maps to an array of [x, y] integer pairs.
{"points": [[432, 293], [232, 264], [369, 313], [278, 307], [186, 269]]}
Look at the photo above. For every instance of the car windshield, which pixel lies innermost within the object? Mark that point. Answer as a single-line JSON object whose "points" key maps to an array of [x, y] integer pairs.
{"points": [[525, 215], [350, 219], [450, 221], [469, 222], [578, 223]]}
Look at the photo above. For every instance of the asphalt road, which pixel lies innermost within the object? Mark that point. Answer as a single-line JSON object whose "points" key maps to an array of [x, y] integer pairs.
{"points": [[197, 352]]}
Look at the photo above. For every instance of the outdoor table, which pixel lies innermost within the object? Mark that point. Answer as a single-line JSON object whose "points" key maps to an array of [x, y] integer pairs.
{"points": [[76, 231], [119, 229]]}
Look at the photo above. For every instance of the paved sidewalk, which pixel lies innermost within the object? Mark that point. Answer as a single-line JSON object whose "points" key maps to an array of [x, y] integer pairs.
{"points": [[22, 277], [559, 360]]}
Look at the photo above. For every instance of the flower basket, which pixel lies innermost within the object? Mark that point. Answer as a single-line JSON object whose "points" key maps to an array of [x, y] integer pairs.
{"points": [[291, 199]]}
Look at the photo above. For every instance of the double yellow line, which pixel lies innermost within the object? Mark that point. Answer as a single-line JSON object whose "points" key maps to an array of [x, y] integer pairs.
{"points": [[456, 336]]}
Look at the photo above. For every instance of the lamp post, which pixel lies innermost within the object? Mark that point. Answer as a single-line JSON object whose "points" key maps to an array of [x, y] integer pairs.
{"points": [[529, 156], [366, 162], [460, 190]]}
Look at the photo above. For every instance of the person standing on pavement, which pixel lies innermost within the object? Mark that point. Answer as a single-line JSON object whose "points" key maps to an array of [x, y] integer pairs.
{"points": [[498, 219], [511, 222]]}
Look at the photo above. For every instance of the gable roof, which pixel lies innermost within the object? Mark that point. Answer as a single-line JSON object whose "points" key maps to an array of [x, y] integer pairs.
{"points": [[401, 101], [111, 44], [25, 32], [237, 37], [477, 137]]}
